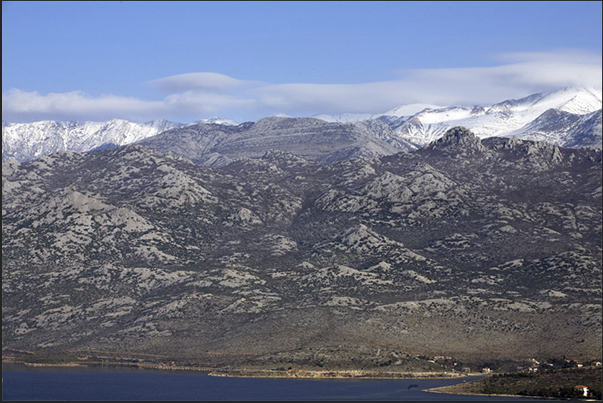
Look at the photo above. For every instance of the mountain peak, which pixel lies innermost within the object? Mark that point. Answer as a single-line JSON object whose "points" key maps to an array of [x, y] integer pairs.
{"points": [[458, 138], [214, 120]]}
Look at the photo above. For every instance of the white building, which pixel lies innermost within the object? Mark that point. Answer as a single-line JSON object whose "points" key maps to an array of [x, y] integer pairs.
{"points": [[583, 389]]}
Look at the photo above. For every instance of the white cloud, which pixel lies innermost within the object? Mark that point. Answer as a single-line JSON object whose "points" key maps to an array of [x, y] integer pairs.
{"points": [[197, 95], [19, 105], [199, 81]]}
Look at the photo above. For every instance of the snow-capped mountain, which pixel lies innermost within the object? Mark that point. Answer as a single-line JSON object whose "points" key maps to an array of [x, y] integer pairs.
{"points": [[29, 141], [536, 117], [569, 117]]}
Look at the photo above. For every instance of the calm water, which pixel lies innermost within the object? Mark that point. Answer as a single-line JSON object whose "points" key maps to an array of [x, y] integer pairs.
{"points": [[25, 383]]}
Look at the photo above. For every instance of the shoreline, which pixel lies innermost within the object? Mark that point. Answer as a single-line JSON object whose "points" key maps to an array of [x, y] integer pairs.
{"points": [[293, 374], [462, 387], [450, 390], [332, 374], [256, 373], [109, 364]]}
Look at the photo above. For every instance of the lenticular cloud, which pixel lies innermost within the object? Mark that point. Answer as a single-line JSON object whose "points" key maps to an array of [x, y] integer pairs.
{"points": [[196, 81]]}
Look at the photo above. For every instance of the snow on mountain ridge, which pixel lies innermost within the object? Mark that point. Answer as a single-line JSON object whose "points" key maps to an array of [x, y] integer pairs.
{"points": [[424, 123], [581, 100], [410, 109], [503, 119], [577, 100], [27, 141], [215, 120]]}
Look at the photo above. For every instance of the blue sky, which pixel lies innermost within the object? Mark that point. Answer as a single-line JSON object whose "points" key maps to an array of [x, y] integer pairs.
{"points": [[185, 61]]}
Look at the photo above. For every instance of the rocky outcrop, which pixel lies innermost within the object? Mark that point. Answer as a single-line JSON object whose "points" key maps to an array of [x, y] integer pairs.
{"points": [[459, 141]]}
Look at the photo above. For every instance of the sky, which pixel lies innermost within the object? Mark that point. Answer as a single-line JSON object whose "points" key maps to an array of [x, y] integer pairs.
{"points": [[191, 60]]}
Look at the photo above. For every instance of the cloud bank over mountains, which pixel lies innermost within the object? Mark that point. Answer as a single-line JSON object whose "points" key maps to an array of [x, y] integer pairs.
{"points": [[191, 96]]}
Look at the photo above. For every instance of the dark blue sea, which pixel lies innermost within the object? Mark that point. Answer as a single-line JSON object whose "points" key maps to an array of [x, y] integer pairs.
{"points": [[20, 382]]}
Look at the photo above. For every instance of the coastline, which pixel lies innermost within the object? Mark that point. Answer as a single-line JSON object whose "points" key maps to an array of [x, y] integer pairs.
{"points": [[255, 373], [35, 364], [457, 389], [556, 384], [109, 364], [331, 374], [453, 390]]}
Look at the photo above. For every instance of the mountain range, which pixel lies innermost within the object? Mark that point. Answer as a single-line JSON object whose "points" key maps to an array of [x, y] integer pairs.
{"points": [[480, 249], [570, 118], [557, 117]]}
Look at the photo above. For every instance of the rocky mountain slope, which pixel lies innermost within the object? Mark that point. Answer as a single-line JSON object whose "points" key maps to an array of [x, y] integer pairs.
{"points": [[314, 139], [469, 248]]}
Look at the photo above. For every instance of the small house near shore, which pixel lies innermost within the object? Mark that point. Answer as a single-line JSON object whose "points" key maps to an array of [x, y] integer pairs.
{"points": [[583, 389]]}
